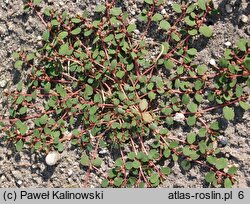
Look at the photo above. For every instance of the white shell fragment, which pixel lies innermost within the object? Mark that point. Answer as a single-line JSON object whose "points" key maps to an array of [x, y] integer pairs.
{"points": [[179, 117], [52, 158]]}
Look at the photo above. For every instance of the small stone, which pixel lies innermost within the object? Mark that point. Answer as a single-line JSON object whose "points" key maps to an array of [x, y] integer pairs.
{"points": [[137, 32], [212, 62], [19, 182], [103, 151], [228, 44], [222, 140], [70, 172], [52, 158], [3, 83], [163, 11], [229, 8], [179, 117], [244, 18]]}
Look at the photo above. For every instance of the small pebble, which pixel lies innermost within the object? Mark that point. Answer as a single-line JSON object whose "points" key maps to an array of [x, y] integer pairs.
{"points": [[163, 11], [179, 117], [70, 172], [229, 8], [3, 83], [228, 44], [222, 140], [19, 182], [244, 18], [212, 62], [52, 158]]}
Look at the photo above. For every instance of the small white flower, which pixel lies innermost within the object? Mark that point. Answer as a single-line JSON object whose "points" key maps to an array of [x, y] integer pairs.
{"points": [[179, 117]]}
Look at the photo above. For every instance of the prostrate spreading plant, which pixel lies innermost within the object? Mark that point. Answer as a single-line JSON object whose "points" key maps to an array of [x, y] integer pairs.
{"points": [[94, 83]]}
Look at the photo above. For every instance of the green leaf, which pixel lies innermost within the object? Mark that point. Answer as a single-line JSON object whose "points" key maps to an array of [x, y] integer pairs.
{"points": [[118, 181], [238, 91], [166, 153], [147, 117], [22, 127], [88, 90], [210, 177], [169, 64], [36, 2], [76, 31], [192, 107], [148, 1], [246, 63], [136, 164], [202, 132], [38, 145], [151, 95], [191, 120], [186, 165], [176, 8], [131, 155], [202, 4], [20, 99], [115, 11], [227, 183], [221, 163], [23, 110], [143, 104], [165, 170], [165, 25], [63, 35], [192, 51], [18, 64], [100, 8], [232, 170], [64, 49], [192, 32], [191, 137], [131, 28], [157, 17], [212, 160], [97, 162], [85, 160], [228, 113], [215, 126], [19, 145], [185, 99], [202, 69], [206, 31], [30, 56], [242, 44], [109, 38], [120, 74], [60, 147], [244, 105], [76, 20], [46, 35], [154, 178], [105, 183]]}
